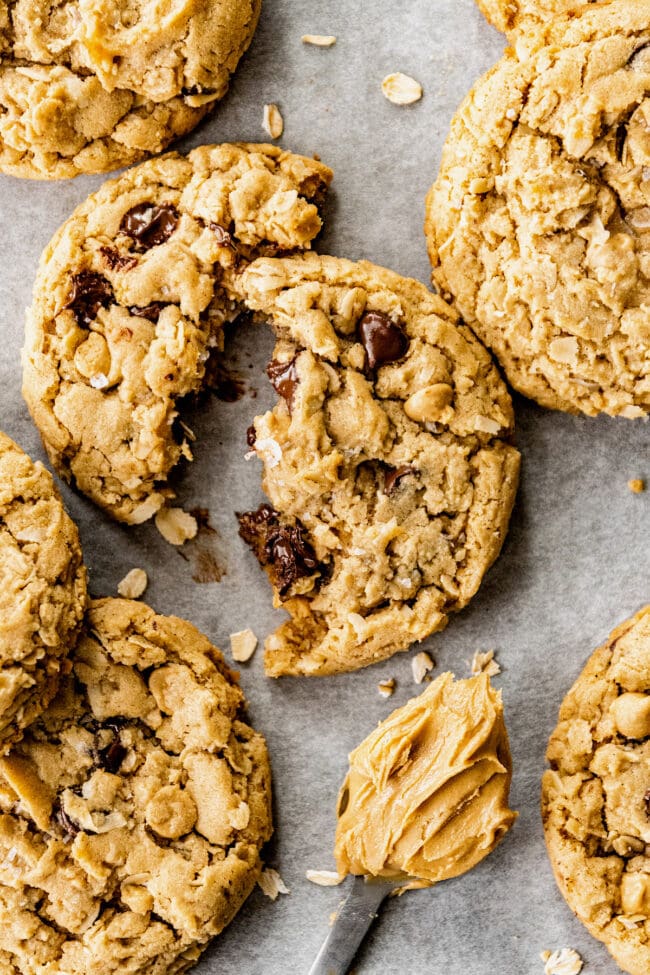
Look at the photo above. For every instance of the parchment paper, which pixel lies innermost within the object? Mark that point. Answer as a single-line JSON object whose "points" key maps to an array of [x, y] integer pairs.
{"points": [[575, 563]]}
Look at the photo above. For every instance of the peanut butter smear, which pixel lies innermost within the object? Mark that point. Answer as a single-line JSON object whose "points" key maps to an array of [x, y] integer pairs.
{"points": [[427, 792]]}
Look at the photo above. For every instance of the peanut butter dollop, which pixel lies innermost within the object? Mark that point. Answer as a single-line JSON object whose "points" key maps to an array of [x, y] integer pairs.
{"points": [[426, 796]]}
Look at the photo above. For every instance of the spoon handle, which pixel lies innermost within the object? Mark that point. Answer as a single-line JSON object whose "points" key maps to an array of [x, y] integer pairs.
{"points": [[354, 917]]}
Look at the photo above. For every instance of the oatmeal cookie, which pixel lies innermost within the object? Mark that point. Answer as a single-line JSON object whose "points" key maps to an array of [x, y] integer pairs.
{"points": [[87, 86], [515, 17], [539, 222], [387, 461], [596, 795], [129, 304], [133, 811], [42, 590]]}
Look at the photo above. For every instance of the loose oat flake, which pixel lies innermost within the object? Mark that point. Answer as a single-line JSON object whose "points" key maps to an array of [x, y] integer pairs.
{"points": [[133, 584], [324, 878], [242, 645], [484, 663], [272, 883], [273, 122], [175, 525], [387, 687], [564, 961], [400, 89], [319, 40], [421, 664]]}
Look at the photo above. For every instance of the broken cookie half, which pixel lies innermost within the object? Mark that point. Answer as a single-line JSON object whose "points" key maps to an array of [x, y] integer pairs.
{"points": [[388, 462], [129, 304]]}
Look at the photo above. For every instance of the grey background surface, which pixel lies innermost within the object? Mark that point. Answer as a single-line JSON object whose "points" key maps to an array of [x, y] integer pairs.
{"points": [[574, 565]]}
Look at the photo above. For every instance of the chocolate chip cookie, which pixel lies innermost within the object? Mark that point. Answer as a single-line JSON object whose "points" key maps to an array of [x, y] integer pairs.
{"points": [[129, 306], [596, 795], [134, 809], [387, 462], [86, 87], [539, 222], [42, 590]]}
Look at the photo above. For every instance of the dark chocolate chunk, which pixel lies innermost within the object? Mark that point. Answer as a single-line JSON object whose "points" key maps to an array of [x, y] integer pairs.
{"points": [[150, 312], [112, 756], [282, 547], [251, 436], [116, 261], [393, 475], [150, 224], [68, 825], [383, 339], [90, 292], [284, 378]]}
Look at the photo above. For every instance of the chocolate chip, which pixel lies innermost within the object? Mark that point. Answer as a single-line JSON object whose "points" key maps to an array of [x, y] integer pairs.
{"points": [[646, 801], [68, 825], [150, 224], [112, 756], [383, 339], [150, 312], [282, 547], [284, 378], [116, 261], [90, 292], [251, 436], [393, 475]]}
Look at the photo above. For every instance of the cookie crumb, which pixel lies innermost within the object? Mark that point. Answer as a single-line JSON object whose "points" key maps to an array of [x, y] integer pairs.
{"points": [[324, 878], [319, 40], [485, 663], [272, 883], [175, 525], [387, 687], [421, 664], [133, 584], [564, 961], [401, 89], [243, 645], [636, 485], [273, 122]]}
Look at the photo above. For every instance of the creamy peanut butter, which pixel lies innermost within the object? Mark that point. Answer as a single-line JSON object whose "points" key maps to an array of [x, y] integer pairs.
{"points": [[427, 792]]}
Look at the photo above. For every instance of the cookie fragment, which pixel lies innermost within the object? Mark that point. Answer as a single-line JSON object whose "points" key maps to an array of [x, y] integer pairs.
{"points": [[144, 796]]}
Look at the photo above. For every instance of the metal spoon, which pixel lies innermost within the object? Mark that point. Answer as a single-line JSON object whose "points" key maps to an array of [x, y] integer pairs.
{"points": [[353, 919]]}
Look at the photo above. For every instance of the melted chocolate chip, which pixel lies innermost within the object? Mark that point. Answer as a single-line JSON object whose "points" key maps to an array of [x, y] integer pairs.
{"points": [[251, 436], [393, 475], [112, 756], [284, 548], [383, 339], [284, 379], [90, 292], [150, 224], [116, 261], [150, 312], [68, 825]]}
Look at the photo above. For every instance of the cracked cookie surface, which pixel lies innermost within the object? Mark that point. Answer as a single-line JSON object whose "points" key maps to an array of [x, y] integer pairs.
{"points": [[387, 461], [42, 590], [134, 810], [514, 17], [129, 304], [596, 796], [539, 221], [87, 86]]}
